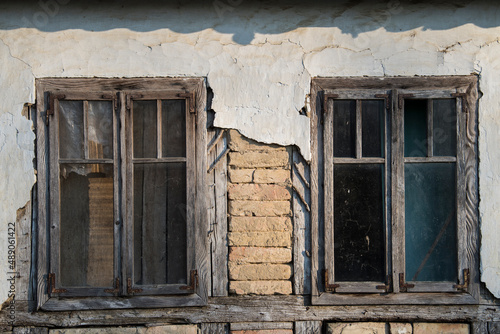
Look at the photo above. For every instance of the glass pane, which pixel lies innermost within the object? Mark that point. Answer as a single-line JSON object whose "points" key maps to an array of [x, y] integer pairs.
{"points": [[160, 223], [372, 115], [145, 129], [444, 127], [86, 225], [100, 125], [430, 226], [415, 120], [71, 130], [173, 128], [344, 128], [359, 222]]}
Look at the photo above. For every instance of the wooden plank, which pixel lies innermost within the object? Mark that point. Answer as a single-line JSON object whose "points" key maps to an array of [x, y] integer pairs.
{"points": [[397, 298], [479, 328], [30, 330], [302, 225], [397, 191], [316, 142], [429, 159], [214, 328], [358, 161], [328, 182], [126, 207], [200, 232], [253, 309], [244, 326], [159, 160], [211, 209], [220, 243], [308, 327]]}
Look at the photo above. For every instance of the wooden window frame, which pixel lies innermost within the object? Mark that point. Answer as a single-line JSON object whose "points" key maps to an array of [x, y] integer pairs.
{"points": [[396, 290], [50, 296]]}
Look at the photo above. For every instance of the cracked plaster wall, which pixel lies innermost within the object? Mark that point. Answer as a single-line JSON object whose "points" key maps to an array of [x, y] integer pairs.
{"points": [[258, 59]]}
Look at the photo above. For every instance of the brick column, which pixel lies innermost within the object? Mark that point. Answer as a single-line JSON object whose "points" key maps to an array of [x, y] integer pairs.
{"points": [[260, 226]]}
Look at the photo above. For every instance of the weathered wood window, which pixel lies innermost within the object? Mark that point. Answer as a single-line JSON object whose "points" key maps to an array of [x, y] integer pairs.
{"points": [[396, 173], [121, 193]]}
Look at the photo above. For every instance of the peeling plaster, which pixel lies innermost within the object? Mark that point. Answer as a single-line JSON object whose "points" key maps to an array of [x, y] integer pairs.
{"points": [[259, 62]]}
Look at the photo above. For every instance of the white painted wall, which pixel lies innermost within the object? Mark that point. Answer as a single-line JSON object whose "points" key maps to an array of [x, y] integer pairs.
{"points": [[258, 60]]}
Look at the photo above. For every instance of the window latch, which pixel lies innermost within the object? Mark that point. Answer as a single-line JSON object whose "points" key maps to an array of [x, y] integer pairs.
{"points": [[401, 99], [329, 287], [403, 286], [387, 286], [50, 109], [465, 285], [117, 287], [51, 285], [131, 291], [190, 101], [194, 281]]}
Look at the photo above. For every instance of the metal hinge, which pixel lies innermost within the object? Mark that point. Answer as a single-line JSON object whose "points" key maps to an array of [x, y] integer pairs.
{"points": [[463, 97], [387, 286], [329, 287], [465, 285], [401, 97], [50, 110], [194, 281], [111, 97], [51, 285], [385, 97], [403, 286], [131, 291], [190, 101], [129, 99], [117, 287]]}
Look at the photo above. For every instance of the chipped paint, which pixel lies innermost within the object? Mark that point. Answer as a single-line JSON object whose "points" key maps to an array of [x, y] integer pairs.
{"points": [[258, 60]]}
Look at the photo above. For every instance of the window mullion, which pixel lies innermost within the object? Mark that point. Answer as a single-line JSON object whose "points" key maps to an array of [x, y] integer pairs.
{"points": [[397, 189], [359, 139], [328, 188], [430, 128]]}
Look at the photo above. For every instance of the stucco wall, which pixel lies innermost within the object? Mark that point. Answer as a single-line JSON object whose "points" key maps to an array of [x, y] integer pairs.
{"points": [[258, 59]]}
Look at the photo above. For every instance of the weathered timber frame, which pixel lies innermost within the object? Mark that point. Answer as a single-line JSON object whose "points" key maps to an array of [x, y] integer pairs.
{"points": [[120, 92], [396, 289]]}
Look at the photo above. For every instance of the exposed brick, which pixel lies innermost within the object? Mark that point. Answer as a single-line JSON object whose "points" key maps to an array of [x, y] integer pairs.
{"points": [[259, 208], [260, 239], [260, 287], [356, 328], [250, 224], [401, 328], [440, 328], [240, 143], [245, 175], [258, 272], [264, 331], [258, 192], [241, 175], [260, 255], [253, 159], [272, 176]]}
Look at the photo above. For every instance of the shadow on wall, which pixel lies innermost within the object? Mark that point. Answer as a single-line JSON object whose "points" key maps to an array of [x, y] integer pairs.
{"points": [[246, 18]]}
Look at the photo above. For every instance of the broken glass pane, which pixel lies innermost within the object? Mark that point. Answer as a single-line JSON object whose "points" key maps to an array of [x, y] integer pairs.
{"points": [[100, 133]]}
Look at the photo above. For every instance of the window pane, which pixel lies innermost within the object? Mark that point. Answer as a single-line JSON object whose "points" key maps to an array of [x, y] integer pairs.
{"points": [[415, 120], [430, 226], [71, 129], [373, 128], [173, 128], [100, 125], [359, 222], [160, 223], [86, 225], [145, 129], [444, 127], [344, 128]]}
